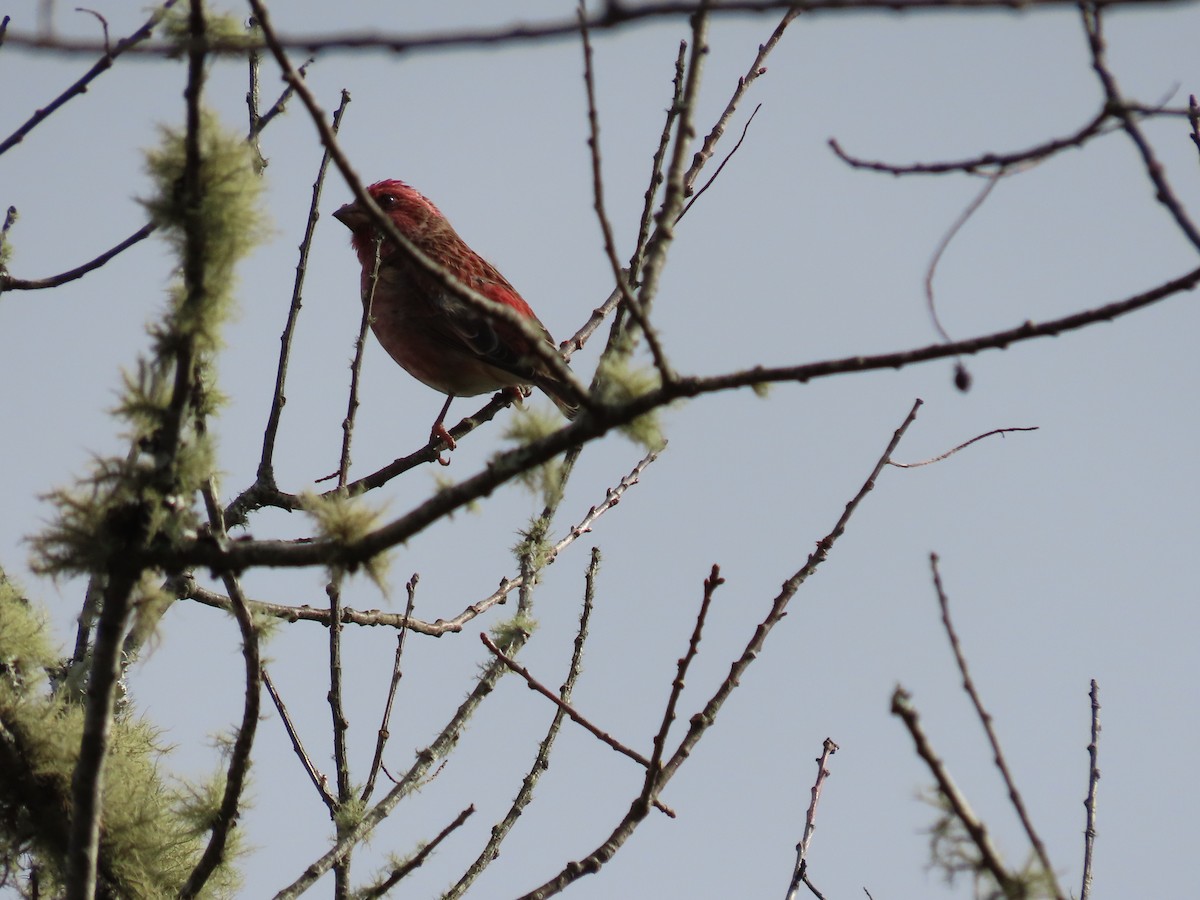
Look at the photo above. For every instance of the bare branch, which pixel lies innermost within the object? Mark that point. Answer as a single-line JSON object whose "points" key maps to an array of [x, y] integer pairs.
{"points": [[985, 719], [1091, 15], [8, 283], [988, 855], [381, 889], [384, 734], [800, 872], [1089, 833], [319, 780], [612, 15]]}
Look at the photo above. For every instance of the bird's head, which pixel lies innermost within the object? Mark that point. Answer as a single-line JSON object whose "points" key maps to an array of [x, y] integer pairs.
{"points": [[411, 211]]}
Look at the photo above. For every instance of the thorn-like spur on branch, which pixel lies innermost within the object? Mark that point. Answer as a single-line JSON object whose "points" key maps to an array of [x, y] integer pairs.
{"points": [[949, 453]]}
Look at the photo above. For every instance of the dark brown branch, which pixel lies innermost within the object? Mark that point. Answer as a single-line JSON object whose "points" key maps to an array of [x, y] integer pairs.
{"points": [[610, 16], [985, 719], [711, 583], [1092, 26], [8, 283], [985, 163]]}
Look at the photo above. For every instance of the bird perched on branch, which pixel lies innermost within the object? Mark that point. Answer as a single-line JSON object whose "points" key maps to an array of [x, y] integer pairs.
{"points": [[437, 335]]}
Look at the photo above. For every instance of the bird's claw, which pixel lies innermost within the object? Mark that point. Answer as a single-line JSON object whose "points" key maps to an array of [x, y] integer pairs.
{"points": [[439, 434]]}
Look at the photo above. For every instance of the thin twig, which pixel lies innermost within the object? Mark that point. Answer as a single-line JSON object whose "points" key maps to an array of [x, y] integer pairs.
{"points": [[341, 869], [756, 70], [575, 716], [711, 583], [728, 156], [951, 452], [266, 465], [382, 738], [381, 889], [985, 719], [110, 55], [8, 283], [319, 780], [360, 346], [1089, 832], [800, 871], [954, 229], [666, 373]]}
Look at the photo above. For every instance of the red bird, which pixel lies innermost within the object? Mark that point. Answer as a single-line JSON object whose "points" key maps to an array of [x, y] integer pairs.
{"points": [[435, 335]]}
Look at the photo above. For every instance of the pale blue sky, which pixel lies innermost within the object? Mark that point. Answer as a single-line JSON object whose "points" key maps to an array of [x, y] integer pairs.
{"points": [[1065, 551]]}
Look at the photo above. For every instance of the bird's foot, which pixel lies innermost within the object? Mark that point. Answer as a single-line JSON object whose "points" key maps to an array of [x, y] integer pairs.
{"points": [[439, 434]]}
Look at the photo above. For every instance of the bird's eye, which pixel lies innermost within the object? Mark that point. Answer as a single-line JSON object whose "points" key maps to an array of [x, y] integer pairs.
{"points": [[387, 201]]}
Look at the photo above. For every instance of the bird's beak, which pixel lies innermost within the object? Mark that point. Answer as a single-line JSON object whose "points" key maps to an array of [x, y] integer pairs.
{"points": [[351, 215]]}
